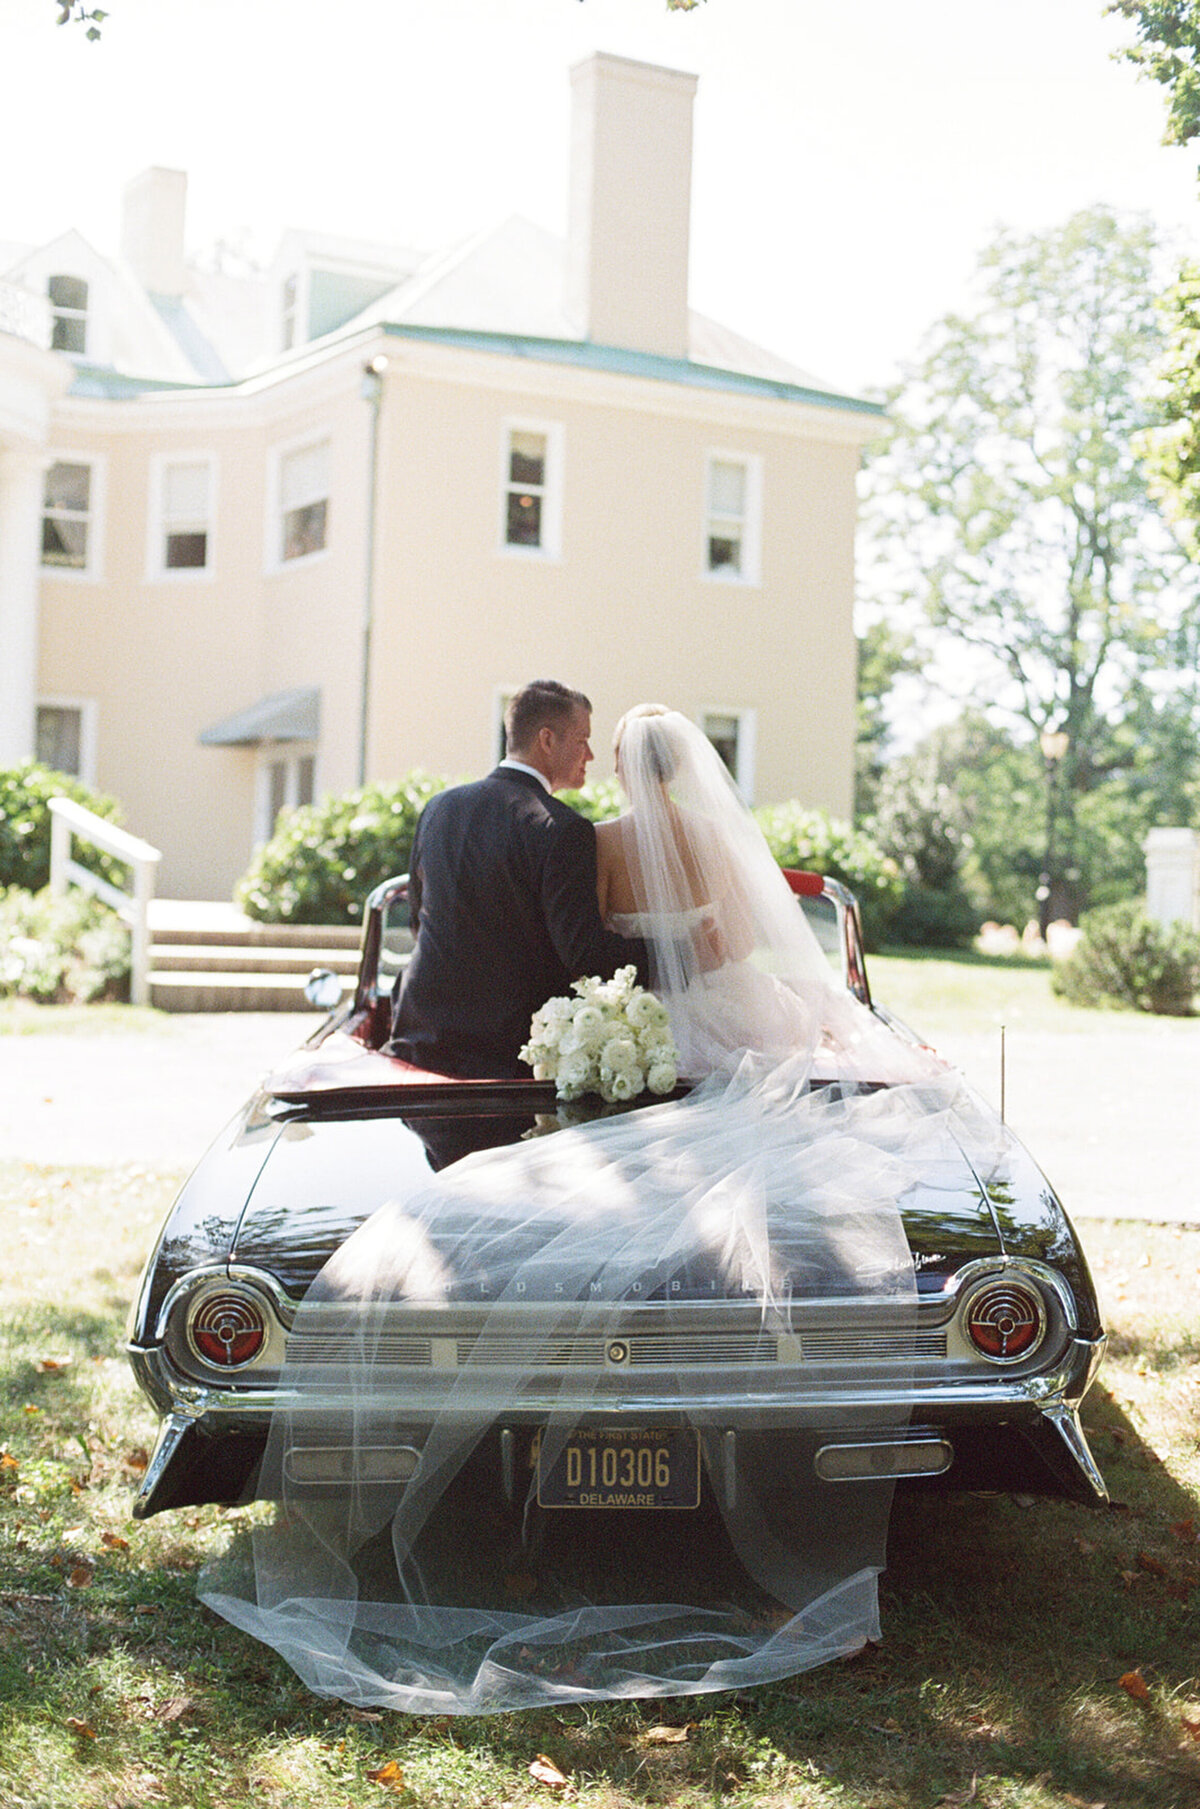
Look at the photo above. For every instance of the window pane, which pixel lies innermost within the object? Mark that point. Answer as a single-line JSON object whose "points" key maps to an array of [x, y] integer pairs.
{"points": [[724, 553], [59, 732], [726, 488], [68, 487], [64, 542], [304, 530], [722, 731], [524, 519], [185, 492], [68, 292], [306, 767], [304, 476], [68, 333], [186, 552], [527, 458]]}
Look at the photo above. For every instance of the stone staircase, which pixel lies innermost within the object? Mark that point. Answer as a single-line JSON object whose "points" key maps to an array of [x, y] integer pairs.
{"points": [[210, 957]]}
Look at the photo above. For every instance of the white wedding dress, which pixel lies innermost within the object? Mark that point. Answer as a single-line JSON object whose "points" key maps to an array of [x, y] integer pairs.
{"points": [[789, 1194]]}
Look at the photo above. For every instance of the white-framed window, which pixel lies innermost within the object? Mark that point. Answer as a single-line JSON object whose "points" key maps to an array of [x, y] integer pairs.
{"points": [[531, 488], [732, 517], [68, 313], [182, 492], [733, 732], [70, 515], [300, 476], [289, 312], [66, 736], [286, 779]]}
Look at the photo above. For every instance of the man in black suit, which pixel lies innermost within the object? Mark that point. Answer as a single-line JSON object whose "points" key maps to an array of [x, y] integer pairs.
{"points": [[503, 894]]}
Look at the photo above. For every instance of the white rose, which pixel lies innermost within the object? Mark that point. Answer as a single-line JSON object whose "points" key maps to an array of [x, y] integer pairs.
{"points": [[662, 1077]]}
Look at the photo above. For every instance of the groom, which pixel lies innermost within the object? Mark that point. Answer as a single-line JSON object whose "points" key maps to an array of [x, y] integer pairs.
{"points": [[503, 895]]}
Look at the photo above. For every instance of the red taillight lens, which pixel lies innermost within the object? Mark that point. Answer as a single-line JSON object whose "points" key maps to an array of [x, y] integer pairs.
{"points": [[1005, 1320], [229, 1330]]}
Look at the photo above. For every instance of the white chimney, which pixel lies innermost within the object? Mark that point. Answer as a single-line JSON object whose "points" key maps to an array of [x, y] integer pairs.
{"points": [[630, 203], [152, 220]]}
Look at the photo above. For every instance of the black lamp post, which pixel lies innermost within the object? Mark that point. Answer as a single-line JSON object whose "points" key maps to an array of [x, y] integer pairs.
{"points": [[1054, 744]]}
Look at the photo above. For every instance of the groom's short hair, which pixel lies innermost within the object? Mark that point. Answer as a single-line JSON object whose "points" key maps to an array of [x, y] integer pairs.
{"points": [[544, 702]]}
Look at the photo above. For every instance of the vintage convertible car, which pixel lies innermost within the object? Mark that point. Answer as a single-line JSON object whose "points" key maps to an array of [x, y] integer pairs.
{"points": [[988, 1387]]}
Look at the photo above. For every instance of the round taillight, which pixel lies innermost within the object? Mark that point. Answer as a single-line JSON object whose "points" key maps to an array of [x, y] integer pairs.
{"points": [[1005, 1320], [229, 1329]]}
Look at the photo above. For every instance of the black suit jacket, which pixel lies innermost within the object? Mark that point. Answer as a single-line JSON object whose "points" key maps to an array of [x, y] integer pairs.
{"points": [[503, 892]]}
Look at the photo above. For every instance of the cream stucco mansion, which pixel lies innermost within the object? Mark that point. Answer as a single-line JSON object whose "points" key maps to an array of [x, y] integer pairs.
{"points": [[263, 533]]}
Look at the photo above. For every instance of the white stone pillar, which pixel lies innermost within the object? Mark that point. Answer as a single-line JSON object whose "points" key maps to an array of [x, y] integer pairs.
{"points": [[1173, 876], [21, 498]]}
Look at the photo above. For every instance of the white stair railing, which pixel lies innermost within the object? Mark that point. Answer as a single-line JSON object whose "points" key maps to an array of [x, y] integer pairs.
{"points": [[69, 819]]}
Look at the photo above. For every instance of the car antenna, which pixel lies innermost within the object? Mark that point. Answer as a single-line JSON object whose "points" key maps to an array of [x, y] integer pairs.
{"points": [[1002, 1073]]}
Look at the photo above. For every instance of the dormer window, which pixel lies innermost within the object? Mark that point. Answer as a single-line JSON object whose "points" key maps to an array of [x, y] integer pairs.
{"points": [[68, 307]]}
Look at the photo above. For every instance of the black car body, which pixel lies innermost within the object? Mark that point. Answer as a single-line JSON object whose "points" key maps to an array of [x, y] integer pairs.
{"points": [[986, 1392]]}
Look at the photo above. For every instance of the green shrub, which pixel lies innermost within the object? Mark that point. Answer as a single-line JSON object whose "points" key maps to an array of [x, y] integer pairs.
{"points": [[25, 794], [69, 950], [598, 800], [799, 837], [1124, 958], [324, 858], [930, 917]]}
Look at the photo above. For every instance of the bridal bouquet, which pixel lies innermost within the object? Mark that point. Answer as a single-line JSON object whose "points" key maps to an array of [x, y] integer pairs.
{"points": [[612, 1038]]}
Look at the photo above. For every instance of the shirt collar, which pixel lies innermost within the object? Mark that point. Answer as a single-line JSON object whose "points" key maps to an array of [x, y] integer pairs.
{"points": [[519, 766]]}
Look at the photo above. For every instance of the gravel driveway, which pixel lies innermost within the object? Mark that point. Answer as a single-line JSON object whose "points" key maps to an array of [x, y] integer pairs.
{"points": [[1113, 1119]]}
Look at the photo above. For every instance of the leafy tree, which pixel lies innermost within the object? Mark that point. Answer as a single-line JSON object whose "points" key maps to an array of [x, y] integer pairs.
{"points": [[1168, 51], [885, 653], [1010, 508]]}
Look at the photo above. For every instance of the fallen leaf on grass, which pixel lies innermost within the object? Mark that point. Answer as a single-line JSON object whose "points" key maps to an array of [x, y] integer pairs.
{"points": [[1078, 1802], [8, 1461], [137, 1459], [114, 1542], [547, 1772], [1146, 1562], [1135, 1685], [51, 1366], [390, 1776], [1190, 1727], [80, 1576], [357, 1714], [80, 1727], [173, 1709], [1184, 1529], [667, 1736]]}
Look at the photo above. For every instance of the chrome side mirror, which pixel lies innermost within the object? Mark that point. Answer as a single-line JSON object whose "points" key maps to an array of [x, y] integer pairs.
{"points": [[323, 989]]}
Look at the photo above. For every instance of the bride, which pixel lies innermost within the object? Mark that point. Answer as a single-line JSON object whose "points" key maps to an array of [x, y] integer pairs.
{"points": [[393, 1596]]}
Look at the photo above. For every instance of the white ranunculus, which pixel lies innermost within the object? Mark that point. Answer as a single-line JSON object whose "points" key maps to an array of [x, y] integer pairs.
{"points": [[574, 1070], [645, 1012], [626, 1084], [662, 1077], [619, 1054]]}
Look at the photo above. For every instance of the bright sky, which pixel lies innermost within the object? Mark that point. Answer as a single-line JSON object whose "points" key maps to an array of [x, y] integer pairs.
{"points": [[851, 156]]}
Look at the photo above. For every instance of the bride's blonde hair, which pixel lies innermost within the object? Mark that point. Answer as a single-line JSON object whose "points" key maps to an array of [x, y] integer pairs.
{"points": [[656, 744]]}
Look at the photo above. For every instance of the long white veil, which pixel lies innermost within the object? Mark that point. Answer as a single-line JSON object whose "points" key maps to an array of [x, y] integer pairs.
{"points": [[701, 1258]]}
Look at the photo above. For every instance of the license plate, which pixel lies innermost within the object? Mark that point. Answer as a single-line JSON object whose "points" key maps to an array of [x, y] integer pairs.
{"points": [[623, 1467]]}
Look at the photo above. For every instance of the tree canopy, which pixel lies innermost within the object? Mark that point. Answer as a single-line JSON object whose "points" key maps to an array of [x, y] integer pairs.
{"points": [[1011, 510], [1168, 51]]}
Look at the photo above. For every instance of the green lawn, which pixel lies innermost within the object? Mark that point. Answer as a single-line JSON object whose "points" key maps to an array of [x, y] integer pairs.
{"points": [[1013, 1631]]}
